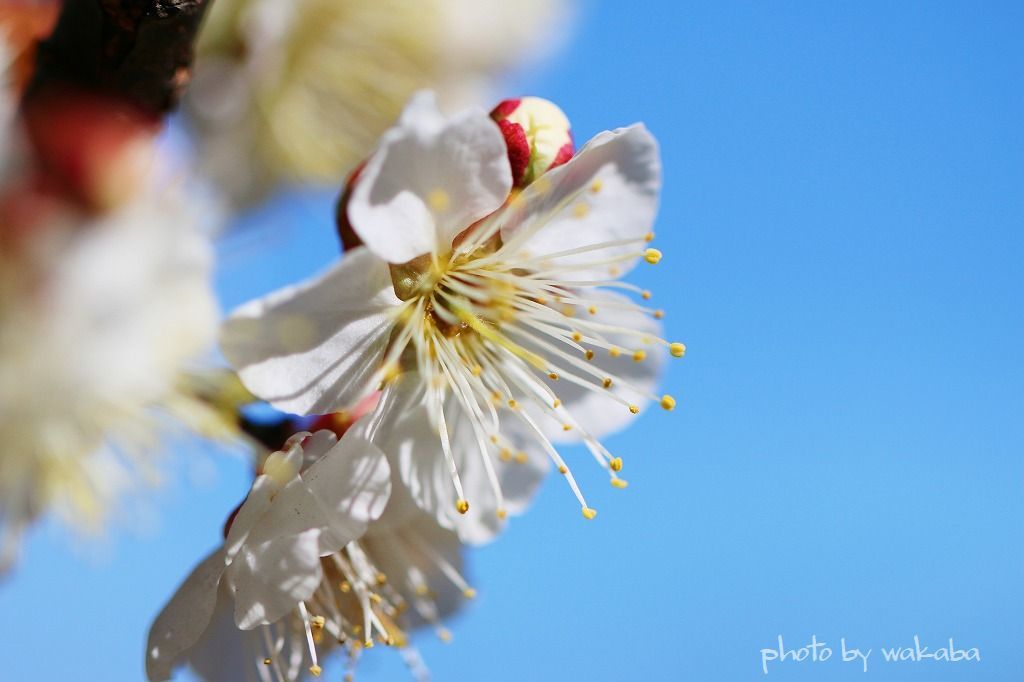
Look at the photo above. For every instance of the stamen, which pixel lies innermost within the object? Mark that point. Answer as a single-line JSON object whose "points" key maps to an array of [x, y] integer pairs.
{"points": [[315, 668]]}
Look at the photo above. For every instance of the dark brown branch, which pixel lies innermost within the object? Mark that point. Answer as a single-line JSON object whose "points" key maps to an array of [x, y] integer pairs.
{"points": [[137, 50]]}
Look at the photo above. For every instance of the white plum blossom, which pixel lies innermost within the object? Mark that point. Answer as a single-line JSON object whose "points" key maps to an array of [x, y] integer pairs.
{"points": [[313, 498], [494, 321], [284, 591], [99, 314], [300, 91]]}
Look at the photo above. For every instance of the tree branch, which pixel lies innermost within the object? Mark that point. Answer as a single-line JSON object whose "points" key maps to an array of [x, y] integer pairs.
{"points": [[137, 50]]}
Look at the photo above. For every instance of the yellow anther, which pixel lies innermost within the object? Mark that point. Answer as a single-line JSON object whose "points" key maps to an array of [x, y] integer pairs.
{"points": [[614, 351], [638, 356], [556, 404], [512, 404], [614, 271], [501, 514], [577, 337], [469, 593], [317, 622], [567, 427], [344, 586], [495, 396], [616, 464], [568, 311], [315, 670], [368, 644], [678, 350], [505, 455], [422, 590], [375, 598], [592, 309], [267, 661], [562, 469], [553, 376], [438, 199], [659, 314], [619, 483], [521, 458], [595, 186], [668, 402], [652, 256], [606, 382], [462, 506], [542, 300], [588, 354], [476, 370], [381, 579], [646, 295], [589, 513], [649, 237], [580, 210], [494, 439], [444, 635], [634, 409]]}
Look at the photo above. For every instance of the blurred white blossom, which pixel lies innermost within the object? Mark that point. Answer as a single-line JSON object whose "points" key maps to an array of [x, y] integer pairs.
{"points": [[300, 91], [101, 306]]}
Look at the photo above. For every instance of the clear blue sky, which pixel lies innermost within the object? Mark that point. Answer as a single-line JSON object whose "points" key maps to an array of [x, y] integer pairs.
{"points": [[843, 228]]}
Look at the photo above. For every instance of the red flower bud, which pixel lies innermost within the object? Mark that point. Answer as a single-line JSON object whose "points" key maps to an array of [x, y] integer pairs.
{"points": [[537, 135], [348, 236]]}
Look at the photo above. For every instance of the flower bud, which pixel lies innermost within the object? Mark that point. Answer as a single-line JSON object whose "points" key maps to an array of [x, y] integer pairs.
{"points": [[95, 150], [537, 135], [347, 234]]}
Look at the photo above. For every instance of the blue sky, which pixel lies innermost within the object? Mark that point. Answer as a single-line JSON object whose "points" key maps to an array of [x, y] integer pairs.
{"points": [[842, 225]]}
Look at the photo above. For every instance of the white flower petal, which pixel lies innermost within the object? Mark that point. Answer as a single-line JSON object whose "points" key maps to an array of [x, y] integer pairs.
{"points": [[311, 348], [429, 180], [269, 579], [183, 621], [316, 446], [398, 554], [521, 479], [412, 444], [338, 496], [607, 192], [355, 478], [226, 653], [252, 509], [594, 411]]}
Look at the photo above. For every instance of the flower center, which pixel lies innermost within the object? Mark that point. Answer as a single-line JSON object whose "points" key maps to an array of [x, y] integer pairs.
{"points": [[490, 328], [356, 604]]}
